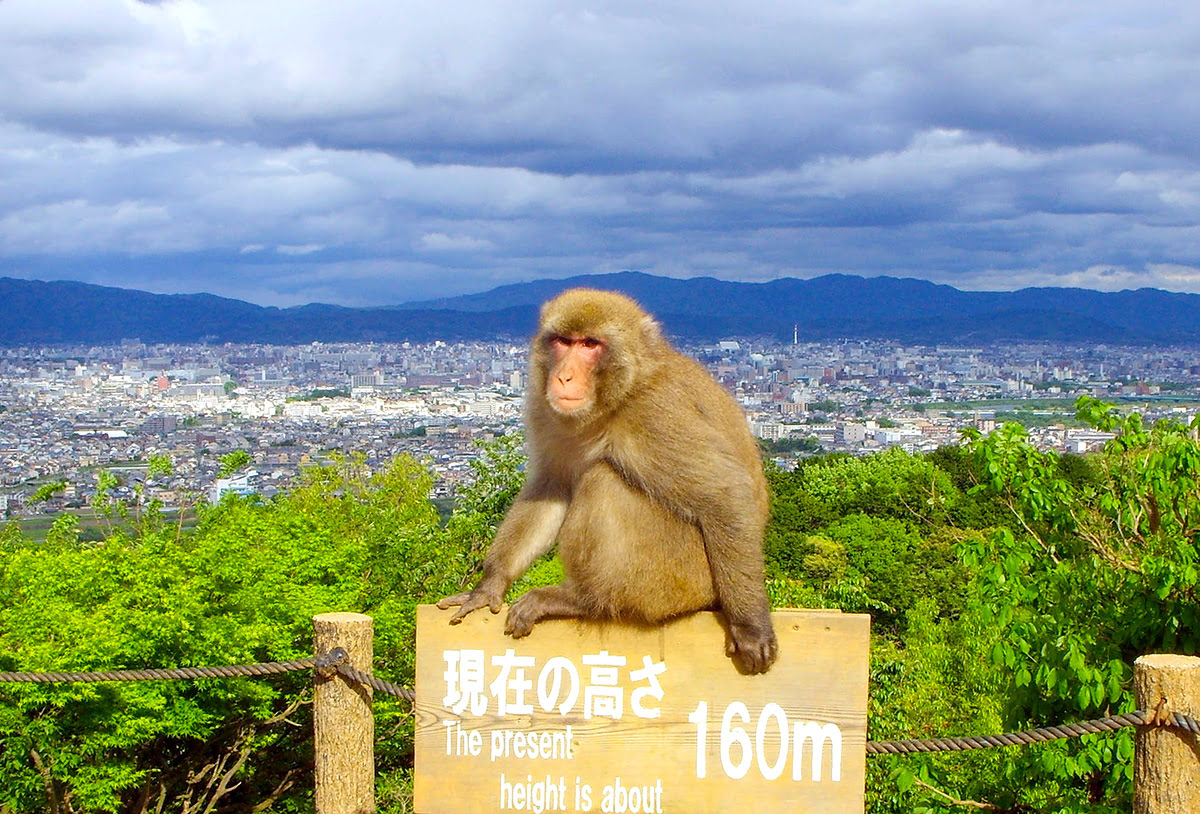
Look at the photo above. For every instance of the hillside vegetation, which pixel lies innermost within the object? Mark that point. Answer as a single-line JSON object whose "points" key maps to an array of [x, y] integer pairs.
{"points": [[1010, 588]]}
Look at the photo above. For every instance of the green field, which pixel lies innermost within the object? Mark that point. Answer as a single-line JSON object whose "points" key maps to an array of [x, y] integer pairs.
{"points": [[91, 525]]}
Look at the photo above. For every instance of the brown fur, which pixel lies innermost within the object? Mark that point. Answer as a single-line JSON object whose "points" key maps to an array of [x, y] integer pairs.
{"points": [[653, 489]]}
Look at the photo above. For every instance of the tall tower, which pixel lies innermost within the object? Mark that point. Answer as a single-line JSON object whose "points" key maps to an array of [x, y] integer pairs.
{"points": [[796, 334]]}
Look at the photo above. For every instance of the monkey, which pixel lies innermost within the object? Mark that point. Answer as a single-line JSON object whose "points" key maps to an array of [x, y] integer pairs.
{"points": [[643, 471]]}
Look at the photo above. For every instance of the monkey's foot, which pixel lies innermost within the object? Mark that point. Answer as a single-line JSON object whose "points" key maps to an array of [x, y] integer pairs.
{"points": [[522, 616], [753, 646], [550, 602]]}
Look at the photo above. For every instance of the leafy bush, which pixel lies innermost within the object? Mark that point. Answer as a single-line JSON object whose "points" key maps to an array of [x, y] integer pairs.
{"points": [[1010, 588], [242, 587], [1101, 569]]}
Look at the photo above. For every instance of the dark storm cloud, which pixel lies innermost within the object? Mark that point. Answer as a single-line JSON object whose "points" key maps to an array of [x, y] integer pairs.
{"points": [[365, 152]]}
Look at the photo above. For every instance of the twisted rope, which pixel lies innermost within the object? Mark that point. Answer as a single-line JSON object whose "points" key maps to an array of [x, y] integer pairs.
{"points": [[327, 664], [374, 683], [1178, 720], [334, 662], [1185, 722], [225, 671]]}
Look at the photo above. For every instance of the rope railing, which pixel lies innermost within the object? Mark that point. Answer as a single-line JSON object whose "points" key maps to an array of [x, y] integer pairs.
{"points": [[376, 683], [1041, 735], [333, 662], [328, 664], [178, 673]]}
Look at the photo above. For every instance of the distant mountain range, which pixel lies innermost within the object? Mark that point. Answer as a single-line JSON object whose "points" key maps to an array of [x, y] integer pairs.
{"points": [[830, 307]]}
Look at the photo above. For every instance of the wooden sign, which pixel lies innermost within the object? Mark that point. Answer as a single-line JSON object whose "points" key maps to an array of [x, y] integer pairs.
{"points": [[605, 717]]}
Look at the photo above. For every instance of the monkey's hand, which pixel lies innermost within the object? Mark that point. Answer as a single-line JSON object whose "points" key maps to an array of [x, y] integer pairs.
{"points": [[523, 614], [753, 645], [483, 595]]}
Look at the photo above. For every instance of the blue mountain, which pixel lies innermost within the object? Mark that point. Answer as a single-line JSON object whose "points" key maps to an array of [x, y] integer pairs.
{"points": [[830, 307]]}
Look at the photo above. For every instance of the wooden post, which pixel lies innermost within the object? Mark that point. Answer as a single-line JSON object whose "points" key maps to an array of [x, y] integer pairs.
{"points": [[1166, 765], [343, 726]]}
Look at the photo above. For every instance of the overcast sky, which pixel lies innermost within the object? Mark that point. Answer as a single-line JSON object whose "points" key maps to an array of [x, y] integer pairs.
{"points": [[365, 152]]}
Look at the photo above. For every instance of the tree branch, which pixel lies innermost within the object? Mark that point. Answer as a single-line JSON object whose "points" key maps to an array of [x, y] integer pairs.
{"points": [[225, 784], [955, 801], [1098, 544], [47, 781], [1012, 507], [284, 784]]}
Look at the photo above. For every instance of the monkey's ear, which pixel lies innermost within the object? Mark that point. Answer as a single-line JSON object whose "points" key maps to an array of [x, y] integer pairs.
{"points": [[651, 330]]}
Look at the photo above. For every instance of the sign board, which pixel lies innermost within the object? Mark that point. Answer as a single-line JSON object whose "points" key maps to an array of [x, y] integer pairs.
{"points": [[606, 717]]}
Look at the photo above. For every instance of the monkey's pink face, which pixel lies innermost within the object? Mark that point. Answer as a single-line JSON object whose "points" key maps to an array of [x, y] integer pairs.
{"points": [[571, 385]]}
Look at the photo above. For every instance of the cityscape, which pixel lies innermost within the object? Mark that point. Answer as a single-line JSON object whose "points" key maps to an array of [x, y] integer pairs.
{"points": [[67, 414]]}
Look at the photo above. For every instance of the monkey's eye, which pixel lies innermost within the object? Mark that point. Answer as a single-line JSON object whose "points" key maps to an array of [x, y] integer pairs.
{"points": [[591, 342]]}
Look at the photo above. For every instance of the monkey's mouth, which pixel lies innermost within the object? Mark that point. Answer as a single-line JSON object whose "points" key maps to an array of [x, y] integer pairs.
{"points": [[568, 404]]}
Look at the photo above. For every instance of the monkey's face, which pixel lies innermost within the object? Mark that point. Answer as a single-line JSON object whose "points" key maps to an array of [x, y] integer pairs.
{"points": [[591, 351], [575, 364]]}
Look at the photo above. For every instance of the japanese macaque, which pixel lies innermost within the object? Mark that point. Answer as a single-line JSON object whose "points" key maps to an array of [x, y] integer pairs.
{"points": [[643, 471]]}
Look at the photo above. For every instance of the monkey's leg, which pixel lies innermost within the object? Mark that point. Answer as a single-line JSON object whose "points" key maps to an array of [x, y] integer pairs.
{"points": [[551, 602], [737, 569]]}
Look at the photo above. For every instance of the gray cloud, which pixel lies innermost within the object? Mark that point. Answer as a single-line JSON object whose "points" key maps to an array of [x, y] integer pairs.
{"points": [[368, 153]]}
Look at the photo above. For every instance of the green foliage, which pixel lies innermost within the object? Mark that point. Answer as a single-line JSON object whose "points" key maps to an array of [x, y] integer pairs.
{"points": [[1009, 587], [890, 484], [936, 685], [872, 523], [923, 545], [899, 566], [498, 474], [10, 536], [159, 465], [790, 445], [47, 491], [1029, 418], [323, 393], [978, 509], [234, 462], [998, 587], [102, 501], [1100, 569], [242, 587], [826, 560]]}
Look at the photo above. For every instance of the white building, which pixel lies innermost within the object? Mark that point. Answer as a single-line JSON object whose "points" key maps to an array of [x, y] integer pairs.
{"points": [[238, 484]]}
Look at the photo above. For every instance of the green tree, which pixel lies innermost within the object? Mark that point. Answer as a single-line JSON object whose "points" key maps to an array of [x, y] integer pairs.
{"points": [[159, 465], [892, 483], [498, 473], [1100, 568], [936, 682], [48, 490], [790, 445], [234, 462], [241, 587]]}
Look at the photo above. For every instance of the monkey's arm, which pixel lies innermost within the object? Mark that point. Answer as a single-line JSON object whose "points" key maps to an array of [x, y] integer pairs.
{"points": [[697, 469], [527, 532]]}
